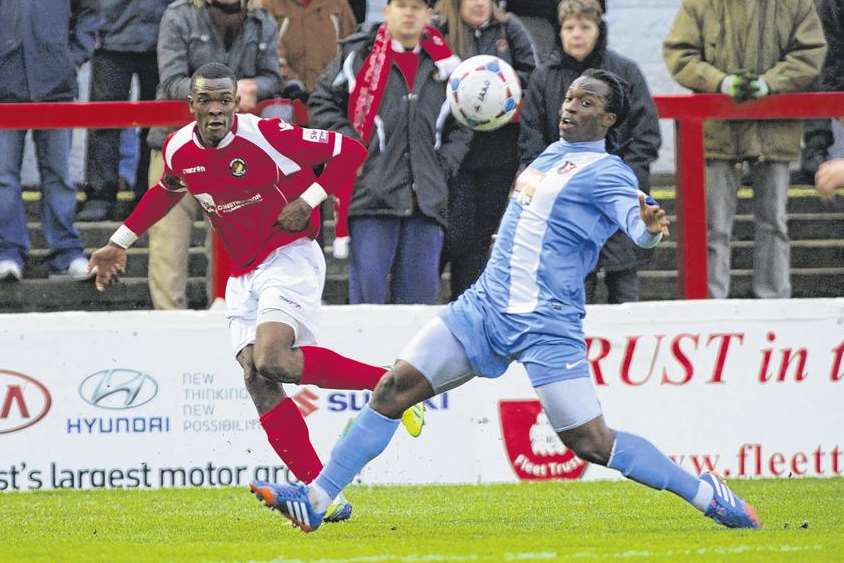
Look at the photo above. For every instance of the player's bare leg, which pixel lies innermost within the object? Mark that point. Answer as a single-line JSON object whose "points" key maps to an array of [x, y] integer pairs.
{"points": [[641, 461], [275, 357], [265, 393], [401, 388], [267, 396], [278, 361]]}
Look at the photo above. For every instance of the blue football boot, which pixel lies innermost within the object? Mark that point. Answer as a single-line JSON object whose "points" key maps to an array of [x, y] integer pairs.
{"points": [[727, 508], [291, 501]]}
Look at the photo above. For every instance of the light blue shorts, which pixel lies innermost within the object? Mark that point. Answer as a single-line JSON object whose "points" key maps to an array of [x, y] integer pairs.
{"points": [[551, 348], [441, 358]]}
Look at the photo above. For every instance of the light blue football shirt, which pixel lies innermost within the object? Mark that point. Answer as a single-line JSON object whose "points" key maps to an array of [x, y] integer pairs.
{"points": [[565, 206]]}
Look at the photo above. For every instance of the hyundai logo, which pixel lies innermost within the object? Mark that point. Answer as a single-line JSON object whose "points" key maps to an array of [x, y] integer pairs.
{"points": [[118, 389]]}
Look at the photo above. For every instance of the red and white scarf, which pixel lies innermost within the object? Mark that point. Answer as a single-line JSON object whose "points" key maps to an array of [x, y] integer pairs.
{"points": [[371, 80]]}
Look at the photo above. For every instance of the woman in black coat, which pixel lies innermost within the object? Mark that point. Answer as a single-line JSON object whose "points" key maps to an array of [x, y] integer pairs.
{"points": [[478, 192], [583, 45]]}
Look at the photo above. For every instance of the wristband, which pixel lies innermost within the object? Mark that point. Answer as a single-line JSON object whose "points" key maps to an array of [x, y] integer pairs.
{"points": [[123, 237], [314, 195]]}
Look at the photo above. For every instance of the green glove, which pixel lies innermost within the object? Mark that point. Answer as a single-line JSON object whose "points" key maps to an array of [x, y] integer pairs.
{"points": [[737, 85], [733, 85], [758, 88]]}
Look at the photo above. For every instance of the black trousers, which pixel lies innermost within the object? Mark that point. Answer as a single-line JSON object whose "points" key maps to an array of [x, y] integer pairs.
{"points": [[622, 285], [111, 79], [477, 199]]}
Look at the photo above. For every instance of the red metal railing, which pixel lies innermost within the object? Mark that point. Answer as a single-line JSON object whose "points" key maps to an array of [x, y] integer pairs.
{"points": [[688, 110]]}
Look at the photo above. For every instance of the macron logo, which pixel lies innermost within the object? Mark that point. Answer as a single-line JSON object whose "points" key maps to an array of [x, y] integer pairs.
{"points": [[193, 170]]}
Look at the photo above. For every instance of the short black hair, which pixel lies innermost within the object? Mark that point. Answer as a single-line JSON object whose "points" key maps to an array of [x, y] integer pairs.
{"points": [[618, 98], [212, 71]]}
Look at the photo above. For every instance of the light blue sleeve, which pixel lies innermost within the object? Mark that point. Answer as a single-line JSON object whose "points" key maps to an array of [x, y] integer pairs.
{"points": [[617, 196]]}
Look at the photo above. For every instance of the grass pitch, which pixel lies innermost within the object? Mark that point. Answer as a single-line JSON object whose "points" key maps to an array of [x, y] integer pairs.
{"points": [[804, 520]]}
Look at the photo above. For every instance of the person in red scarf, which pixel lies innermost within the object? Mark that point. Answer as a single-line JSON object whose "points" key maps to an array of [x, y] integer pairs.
{"points": [[386, 88]]}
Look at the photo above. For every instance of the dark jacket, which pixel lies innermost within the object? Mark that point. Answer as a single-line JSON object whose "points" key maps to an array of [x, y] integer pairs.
{"points": [[405, 172], [188, 39], [546, 9], [831, 13], [507, 40], [42, 42], [636, 140], [130, 26]]}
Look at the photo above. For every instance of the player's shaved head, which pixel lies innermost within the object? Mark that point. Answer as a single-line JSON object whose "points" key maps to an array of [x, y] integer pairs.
{"points": [[211, 71]]}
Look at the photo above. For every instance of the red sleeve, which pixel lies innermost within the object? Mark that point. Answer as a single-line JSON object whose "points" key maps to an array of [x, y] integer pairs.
{"points": [[338, 179], [341, 155], [157, 200]]}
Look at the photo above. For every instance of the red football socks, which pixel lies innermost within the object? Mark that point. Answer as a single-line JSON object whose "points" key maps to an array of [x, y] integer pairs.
{"points": [[288, 435], [329, 370]]}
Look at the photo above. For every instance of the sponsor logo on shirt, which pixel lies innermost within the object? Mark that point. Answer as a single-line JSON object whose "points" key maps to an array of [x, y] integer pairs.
{"points": [[237, 167], [526, 185], [315, 135], [212, 208], [535, 451], [193, 170]]}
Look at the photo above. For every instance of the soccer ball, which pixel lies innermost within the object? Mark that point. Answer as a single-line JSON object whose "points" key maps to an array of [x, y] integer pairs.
{"points": [[484, 92]]}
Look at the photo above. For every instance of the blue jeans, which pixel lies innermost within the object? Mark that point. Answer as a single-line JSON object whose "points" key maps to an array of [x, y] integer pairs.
{"points": [[58, 197], [408, 247]]}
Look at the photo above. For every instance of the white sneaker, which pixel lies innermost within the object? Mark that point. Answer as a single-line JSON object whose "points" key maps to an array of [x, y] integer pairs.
{"points": [[10, 271], [76, 270]]}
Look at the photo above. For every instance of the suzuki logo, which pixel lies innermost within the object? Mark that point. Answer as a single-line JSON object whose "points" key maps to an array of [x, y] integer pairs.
{"points": [[118, 389], [23, 401]]}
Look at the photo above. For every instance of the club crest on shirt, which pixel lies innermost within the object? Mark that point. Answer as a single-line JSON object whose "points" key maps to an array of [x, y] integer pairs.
{"points": [[237, 167], [566, 168]]}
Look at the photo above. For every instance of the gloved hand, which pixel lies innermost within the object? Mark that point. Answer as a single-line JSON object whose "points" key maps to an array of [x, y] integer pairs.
{"points": [[737, 86], [758, 88], [732, 85], [294, 90], [341, 248]]}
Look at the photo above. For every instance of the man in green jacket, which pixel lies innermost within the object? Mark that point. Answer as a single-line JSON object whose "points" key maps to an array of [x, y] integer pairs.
{"points": [[748, 50]]}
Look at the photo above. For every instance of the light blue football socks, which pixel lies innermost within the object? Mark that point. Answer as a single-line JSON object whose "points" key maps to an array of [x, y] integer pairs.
{"points": [[365, 440], [639, 460]]}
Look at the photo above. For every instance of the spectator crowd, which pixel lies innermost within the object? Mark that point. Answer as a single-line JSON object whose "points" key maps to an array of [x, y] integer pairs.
{"points": [[431, 193]]}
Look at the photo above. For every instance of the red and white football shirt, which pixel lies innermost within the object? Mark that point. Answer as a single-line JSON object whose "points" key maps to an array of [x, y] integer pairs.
{"points": [[244, 182]]}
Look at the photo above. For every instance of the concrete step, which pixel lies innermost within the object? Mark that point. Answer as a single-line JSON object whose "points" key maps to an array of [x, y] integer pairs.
{"points": [[805, 282], [661, 285], [136, 263], [804, 254], [800, 226], [801, 199], [44, 295], [96, 234]]}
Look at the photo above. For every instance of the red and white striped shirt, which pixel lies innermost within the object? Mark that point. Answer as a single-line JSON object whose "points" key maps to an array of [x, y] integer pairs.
{"points": [[244, 182]]}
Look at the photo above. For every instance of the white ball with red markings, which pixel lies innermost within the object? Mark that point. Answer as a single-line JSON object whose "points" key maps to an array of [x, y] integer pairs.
{"points": [[484, 93]]}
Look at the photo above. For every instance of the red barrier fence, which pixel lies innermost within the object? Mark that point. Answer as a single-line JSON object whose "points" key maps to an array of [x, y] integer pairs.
{"points": [[688, 110]]}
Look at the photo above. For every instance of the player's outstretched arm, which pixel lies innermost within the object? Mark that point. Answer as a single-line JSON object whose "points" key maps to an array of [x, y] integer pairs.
{"points": [[108, 263], [655, 219]]}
